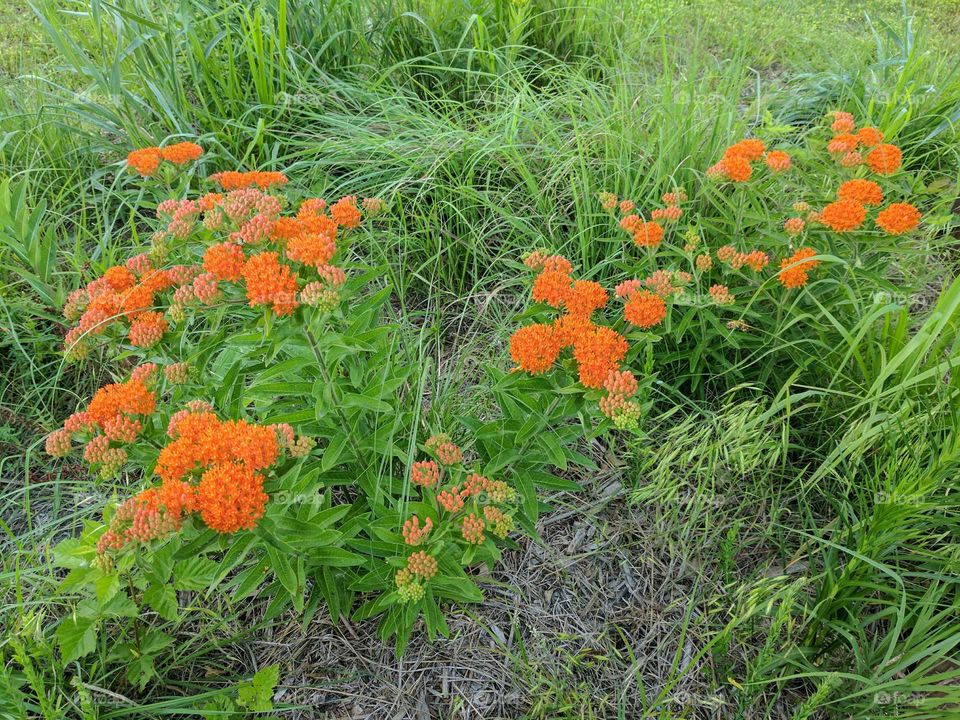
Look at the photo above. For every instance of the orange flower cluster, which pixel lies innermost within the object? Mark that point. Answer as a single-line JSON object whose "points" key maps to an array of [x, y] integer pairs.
{"points": [[230, 497], [778, 161], [146, 161], [882, 159], [345, 212], [794, 226], [181, 153], [617, 404], [444, 449], [224, 261], [234, 180], [270, 283], [113, 415], [885, 159], [151, 514], [118, 295], [597, 349], [794, 269], [865, 192], [644, 309], [898, 218], [472, 529], [736, 163], [229, 494], [414, 533], [425, 473], [147, 329], [201, 441], [843, 215], [721, 295]]}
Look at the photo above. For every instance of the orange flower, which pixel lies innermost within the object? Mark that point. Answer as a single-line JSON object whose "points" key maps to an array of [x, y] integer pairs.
{"points": [[551, 287], [778, 161], [419, 563], [205, 289], [119, 278], [842, 122], [181, 153], [736, 168], [851, 159], [200, 438], [620, 382], [557, 263], [885, 159], [270, 283], [444, 449], [58, 443], [414, 533], [750, 149], [843, 144], [721, 294], [627, 206], [756, 260], [645, 309], [843, 215], [647, 234], [147, 329], [233, 180], [869, 137], [597, 352], [122, 429], [472, 529], [230, 497], [627, 287], [726, 253], [585, 296], [569, 328], [224, 261], [153, 513], [898, 218], [312, 249], [451, 500], [671, 213], [630, 222], [425, 473], [535, 348], [866, 192], [793, 273], [345, 212], [130, 398], [145, 160], [704, 262], [794, 225]]}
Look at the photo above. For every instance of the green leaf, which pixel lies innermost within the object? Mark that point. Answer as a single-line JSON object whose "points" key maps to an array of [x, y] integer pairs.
{"points": [[335, 557], [334, 450], [554, 449], [287, 574], [256, 694], [106, 587], [76, 637], [356, 400], [163, 599], [194, 574]]}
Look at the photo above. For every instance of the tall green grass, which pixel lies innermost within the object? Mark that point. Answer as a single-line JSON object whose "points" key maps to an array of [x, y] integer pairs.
{"points": [[492, 130]]}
